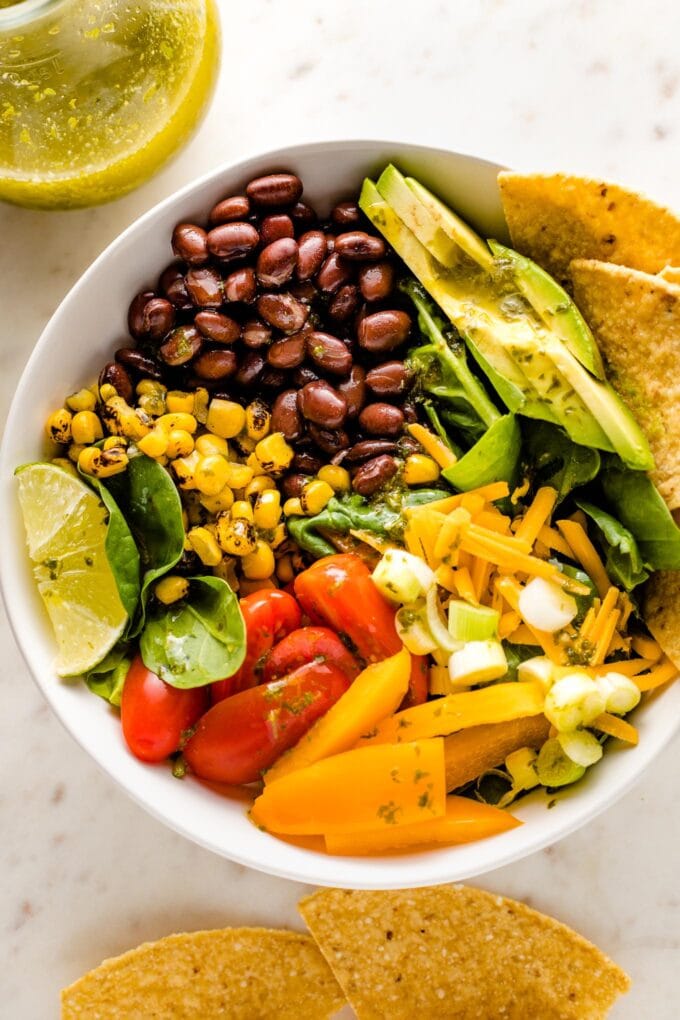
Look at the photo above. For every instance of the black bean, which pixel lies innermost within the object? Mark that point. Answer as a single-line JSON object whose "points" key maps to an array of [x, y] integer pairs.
{"points": [[241, 285], [139, 362], [311, 253], [410, 412], [276, 226], [303, 375], [256, 334], [283, 311], [116, 375], [304, 291], [276, 263], [376, 280], [359, 246], [158, 318], [334, 273], [190, 243], [136, 323], [367, 448], [382, 331], [328, 353], [274, 379], [232, 240], [286, 416], [331, 441], [303, 216], [288, 353], [346, 213], [172, 284], [274, 190], [307, 463], [250, 369], [321, 404], [204, 285], [353, 390], [344, 303], [220, 363], [293, 485], [218, 327], [381, 419], [236, 207], [391, 379], [374, 474], [182, 344]]}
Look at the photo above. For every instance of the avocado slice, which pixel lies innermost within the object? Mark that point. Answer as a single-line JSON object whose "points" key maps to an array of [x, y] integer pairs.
{"points": [[468, 306], [553, 306], [530, 365]]}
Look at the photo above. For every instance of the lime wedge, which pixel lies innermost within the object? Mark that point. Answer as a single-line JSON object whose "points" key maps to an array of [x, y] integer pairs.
{"points": [[66, 527]]}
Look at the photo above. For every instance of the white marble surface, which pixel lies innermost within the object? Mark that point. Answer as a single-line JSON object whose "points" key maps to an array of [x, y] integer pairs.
{"points": [[586, 85]]}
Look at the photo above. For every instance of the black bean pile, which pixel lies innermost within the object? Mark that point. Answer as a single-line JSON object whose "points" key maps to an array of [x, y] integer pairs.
{"points": [[268, 301]]}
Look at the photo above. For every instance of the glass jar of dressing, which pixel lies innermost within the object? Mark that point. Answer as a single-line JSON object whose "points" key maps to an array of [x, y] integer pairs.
{"points": [[95, 95]]}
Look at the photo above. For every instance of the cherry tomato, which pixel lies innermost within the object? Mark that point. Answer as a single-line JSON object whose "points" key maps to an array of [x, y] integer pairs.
{"points": [[154, 715], [340, 591], [309, 644], [268, 616], [237, 739]]}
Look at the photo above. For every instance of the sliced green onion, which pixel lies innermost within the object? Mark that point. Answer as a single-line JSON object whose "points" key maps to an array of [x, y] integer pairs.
{"points": [[521, 765], [478, 662], [412, 628], [554, 768], [621, 693], [546, 606], [403, 577], [540, 669], [472, 623], [573, 701], [582, 747], [435, 621]]}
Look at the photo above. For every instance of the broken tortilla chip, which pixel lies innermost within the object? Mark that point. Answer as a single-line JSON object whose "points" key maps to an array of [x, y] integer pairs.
{"points": [[635, 319], [239, 973], [452, 951], [670, 273], [556, 218], [661, 611]]}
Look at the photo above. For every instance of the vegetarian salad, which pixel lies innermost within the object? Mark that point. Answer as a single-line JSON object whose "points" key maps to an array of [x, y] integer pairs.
{"points": [[360, 517]]}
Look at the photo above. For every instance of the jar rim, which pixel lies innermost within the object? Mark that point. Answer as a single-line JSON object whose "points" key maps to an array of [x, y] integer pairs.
{"points": [[24, 12]]}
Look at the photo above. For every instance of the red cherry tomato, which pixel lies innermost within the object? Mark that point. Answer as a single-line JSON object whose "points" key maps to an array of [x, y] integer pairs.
{"points": [[154, 715], [340, 591], [268, 616], [237, 739], [309, 644]]}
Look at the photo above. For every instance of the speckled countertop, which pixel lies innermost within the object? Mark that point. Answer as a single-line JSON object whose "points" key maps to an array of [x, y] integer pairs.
{"points": [[585, 85]]}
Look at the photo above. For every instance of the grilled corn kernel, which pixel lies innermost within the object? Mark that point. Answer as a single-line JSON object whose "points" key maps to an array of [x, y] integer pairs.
{"points": [[154, 443], [258, 420], [208, 444], [293, 507], [225, 418], [242, 509], [201, 402], [178, 420], [74, 451], [315, 496], [83, 400], [171, 588], [205, 546], [260, 483], [419, 469], [279, 537], [153, 404], [121, 419], [274, 453], [236, 537], [65, 464], [59, 426], [259, 564], [267, 509], [223, 500], [284, 569], [86, 427], [336, 476], [177, 402], [180, 443], [107, 391], [115, 442], [239, 475], [150, 386], [185, 470], [255, 465], [102, 463], [211, 474]]}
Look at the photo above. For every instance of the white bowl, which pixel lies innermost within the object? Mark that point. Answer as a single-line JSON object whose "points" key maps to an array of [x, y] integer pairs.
{"points": [[81, 335]]}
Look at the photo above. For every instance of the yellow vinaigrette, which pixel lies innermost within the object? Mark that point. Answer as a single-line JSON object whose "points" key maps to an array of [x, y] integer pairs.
{"points": [[96, 94]]}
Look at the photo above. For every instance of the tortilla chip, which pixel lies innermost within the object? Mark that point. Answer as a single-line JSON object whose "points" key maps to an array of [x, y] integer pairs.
{"points": [[237, 973], [661, 611], [670, 273], [636, 321], [556, 218], [455, 952]]}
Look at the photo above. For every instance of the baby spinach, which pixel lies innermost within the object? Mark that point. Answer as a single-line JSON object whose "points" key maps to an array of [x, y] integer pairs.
{"points": [[551, 458], [121, 551], [493, 458], [150, 503], [107, 678], [633, 498], [624, 561], [198, 640]]}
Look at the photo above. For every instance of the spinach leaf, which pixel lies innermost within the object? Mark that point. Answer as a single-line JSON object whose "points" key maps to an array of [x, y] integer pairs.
{"points": [[121, 551], [150, 503], [493, 458], [108, 677], [198, 640], [443, 370], [633, 498], [552, 459], [624, 562]]}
